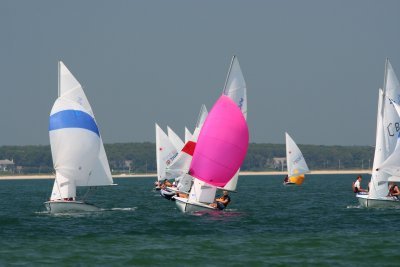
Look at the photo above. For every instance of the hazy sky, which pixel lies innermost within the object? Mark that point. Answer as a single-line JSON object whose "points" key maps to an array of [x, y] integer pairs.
{"points": [[312, 68]]}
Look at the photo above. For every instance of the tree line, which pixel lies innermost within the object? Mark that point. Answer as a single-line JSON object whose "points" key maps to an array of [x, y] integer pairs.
{"points": [[141, 157]]}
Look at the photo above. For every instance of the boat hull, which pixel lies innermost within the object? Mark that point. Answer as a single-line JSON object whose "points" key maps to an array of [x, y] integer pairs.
{"points": [[288, 183], [186, 206], [297, 179], [383, 202], [69, 206]]}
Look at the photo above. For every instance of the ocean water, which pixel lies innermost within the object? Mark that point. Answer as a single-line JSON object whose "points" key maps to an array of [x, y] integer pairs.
{"points": [[266, 224]]}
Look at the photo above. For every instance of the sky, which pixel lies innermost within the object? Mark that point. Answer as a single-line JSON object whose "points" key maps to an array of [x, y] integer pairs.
{"points": [[312, 68]]}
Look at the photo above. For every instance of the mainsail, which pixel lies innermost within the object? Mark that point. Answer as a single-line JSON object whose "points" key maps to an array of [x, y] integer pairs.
{"points": [[235, 88], [175, 139], [166, 152]]}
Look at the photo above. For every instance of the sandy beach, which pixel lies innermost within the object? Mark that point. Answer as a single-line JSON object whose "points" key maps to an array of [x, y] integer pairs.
{"points": [[152, 175]]}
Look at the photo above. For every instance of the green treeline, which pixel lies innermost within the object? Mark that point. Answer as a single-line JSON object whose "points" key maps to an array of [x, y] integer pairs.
{"points": [[140, 157]]}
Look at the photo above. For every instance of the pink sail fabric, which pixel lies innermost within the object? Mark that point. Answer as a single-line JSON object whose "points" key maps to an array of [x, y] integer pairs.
{"points": [[222, 144]]}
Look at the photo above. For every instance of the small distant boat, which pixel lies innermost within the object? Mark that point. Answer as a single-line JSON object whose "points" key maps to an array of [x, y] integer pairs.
{"points": [[296, 164], [386, 159], [77, 149]]}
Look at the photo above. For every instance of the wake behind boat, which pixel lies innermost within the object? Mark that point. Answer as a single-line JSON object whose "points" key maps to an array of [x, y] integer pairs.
{"points": [[77, 148]]}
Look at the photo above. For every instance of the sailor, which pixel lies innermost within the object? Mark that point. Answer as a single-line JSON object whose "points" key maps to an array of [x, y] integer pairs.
{"points": [[394, 190], [286, 179], [357, 185], [222, 202]]}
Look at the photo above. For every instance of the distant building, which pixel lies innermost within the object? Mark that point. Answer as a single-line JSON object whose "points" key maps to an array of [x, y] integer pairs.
{"points": [[279, 163], [7, 165]]}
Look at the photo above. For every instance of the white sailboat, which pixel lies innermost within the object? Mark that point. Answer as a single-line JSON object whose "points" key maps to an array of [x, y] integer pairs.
{"points": [[386, 140], [296, 164], [77, 149]]}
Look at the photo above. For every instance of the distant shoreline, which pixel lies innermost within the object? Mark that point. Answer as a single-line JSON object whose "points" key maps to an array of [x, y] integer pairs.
{"points": [[153, 175]]}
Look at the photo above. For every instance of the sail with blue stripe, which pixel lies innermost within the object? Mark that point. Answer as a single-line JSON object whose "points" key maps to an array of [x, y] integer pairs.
{"points": [[77, 148]]}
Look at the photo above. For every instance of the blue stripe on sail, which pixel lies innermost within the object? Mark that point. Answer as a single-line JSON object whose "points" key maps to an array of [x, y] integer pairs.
{"points": [[73, 119]]}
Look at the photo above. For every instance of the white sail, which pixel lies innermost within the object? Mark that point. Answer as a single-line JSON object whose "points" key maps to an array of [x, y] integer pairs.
{"points": [[181, 164], [75, 139], [188, 135], [101, 173], [392, 164], [296, 163], [202, 116], [166, 152], [378, 186], [175, 139], [390, 117], [388, 122], [63, 188], [235, 88]]}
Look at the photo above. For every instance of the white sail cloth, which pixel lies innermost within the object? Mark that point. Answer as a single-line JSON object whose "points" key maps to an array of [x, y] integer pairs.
{"points": [[77, 149], [296, 164]]}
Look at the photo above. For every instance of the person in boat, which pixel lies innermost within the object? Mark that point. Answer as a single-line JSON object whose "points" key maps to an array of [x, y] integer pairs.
{"points": [[394, 190], [357, 185], [222, 202], [167, 183], [286, 180]]}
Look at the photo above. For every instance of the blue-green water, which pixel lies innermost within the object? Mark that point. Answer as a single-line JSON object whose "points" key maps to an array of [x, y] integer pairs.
{"points": [[266, 224]]}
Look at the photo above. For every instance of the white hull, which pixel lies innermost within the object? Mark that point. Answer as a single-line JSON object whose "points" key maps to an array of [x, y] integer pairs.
{"points": [[184, 205], [69, 206], [288, 183], [383, 202]]}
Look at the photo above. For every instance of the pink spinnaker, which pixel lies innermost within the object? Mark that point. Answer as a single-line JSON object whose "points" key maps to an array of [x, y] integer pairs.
{"points": [[222, 144]]}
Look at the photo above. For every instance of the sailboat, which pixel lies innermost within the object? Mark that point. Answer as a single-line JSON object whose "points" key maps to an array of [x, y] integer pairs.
{"points": [[77, 148], [296, 164], [385, 146], [220, 151], [203, 193]]}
